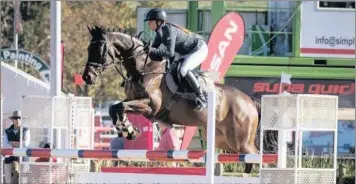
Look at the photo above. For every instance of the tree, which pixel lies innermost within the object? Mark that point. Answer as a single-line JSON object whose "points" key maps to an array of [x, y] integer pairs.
{"points": [[76, 16], [76, 37], [6, 14], [33, 36]]}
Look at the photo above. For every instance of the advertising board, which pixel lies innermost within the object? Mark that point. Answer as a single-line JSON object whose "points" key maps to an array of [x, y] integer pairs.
{"points": [[327, 32]]}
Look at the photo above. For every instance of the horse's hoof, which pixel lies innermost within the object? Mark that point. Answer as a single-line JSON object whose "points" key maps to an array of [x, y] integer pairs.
{"points": [[246, 175], [120, 134], [137, 132]]}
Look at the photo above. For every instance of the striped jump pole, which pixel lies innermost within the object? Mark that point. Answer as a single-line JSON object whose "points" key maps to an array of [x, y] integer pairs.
{"points": [[200, 171], [193, 156]]}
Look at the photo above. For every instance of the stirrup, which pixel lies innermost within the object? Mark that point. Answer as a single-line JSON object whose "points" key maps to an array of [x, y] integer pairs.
{"points": [[200, 104]]}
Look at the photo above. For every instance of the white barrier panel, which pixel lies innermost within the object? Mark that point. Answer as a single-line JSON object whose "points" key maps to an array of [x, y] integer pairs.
{"points": [[64, 122], [298, 113], [96, 177]]}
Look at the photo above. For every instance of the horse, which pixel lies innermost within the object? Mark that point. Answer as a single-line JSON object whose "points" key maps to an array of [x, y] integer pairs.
{"points": [[155, 89]]}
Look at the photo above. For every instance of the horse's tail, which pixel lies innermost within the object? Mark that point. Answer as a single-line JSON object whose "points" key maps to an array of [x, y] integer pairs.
{"points": [[258, 106], [257, 103], [270, 142]]}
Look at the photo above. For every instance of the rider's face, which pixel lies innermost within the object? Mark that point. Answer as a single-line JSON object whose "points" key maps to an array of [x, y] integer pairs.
{"points": [[152, 24]]}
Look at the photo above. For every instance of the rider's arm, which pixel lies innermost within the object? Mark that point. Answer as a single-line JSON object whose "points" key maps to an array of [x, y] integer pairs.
{"points": [[168, 37], [157, 41]]}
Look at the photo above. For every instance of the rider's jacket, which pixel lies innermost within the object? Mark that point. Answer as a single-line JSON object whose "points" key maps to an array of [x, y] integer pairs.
{"points": [[175, 40]]}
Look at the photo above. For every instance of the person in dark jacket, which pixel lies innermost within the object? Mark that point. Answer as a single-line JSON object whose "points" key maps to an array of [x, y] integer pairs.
{"points": [[12, 140], [179, 40]]}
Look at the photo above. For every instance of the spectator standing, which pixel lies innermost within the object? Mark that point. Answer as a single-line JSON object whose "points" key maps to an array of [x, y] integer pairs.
{"points": [[12, 140]]}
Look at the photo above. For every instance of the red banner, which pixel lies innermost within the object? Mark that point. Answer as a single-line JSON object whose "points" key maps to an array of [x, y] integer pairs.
{"points": [[225, 41], [78, 80]]}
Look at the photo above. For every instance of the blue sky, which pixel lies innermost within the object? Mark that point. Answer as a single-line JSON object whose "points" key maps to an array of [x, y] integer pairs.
{"points": [[346, 136]]}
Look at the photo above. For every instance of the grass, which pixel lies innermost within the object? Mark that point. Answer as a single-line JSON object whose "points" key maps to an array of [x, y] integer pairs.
{"points": [[235, 169]]}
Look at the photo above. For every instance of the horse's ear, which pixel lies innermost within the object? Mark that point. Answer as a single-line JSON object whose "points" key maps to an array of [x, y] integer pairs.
{"points": [[97, 28], [90, 30]]}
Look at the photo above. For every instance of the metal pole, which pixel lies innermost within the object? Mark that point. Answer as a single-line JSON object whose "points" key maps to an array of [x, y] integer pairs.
{"points": [[56, 64], [210, 155], [16, 27], [55, 47]]}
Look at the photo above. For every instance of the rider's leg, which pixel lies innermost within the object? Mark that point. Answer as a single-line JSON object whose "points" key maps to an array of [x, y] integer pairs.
{"points": [[191, 62], [194, 84], [194, 60]]}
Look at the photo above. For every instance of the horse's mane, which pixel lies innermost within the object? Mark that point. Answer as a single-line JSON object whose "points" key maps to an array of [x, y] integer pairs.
{"points": [[100, 31]]}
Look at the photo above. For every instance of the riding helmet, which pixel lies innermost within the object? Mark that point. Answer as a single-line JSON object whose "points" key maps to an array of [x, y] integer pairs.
{"points": [[156, 14]]}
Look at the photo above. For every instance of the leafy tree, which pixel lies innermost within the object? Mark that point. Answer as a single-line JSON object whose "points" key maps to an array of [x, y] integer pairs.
{"points": [[6, 23], [33, 34], [76, 16], [76, 37]]}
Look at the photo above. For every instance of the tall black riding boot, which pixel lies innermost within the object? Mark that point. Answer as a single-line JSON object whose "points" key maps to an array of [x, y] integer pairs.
{"points": [[201, 101]]}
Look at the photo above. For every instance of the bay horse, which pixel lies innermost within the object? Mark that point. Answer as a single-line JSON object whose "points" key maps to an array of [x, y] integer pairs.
{"points": [[154, 89]]}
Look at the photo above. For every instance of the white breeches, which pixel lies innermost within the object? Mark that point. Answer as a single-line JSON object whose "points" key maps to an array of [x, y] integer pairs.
{"points": [[193, 60]]}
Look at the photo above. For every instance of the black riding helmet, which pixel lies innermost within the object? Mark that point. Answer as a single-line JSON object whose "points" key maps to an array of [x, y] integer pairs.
{"points": [[156, 14]]}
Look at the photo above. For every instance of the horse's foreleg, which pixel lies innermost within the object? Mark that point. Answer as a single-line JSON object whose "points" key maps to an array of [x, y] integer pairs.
{"points": [[139, 107], [118, 112]]}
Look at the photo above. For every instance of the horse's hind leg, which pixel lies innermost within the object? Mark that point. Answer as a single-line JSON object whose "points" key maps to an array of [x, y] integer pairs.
{"points": [[251, 149], [246, 140]]}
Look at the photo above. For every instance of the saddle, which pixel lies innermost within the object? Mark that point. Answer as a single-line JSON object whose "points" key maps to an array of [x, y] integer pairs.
{"points": [[178, 85]]}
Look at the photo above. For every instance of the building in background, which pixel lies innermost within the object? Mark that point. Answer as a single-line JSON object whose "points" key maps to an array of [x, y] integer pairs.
{"points": [[314, 41]]}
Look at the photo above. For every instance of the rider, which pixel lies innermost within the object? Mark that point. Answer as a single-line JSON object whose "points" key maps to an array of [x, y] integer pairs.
{"points": [[179, 40]]}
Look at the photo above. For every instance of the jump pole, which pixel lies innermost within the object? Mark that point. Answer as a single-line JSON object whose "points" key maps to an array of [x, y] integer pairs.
{"points": [[210, 155], [192, 156]]}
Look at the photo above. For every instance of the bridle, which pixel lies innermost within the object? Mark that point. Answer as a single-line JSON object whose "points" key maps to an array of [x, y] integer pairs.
{"points": [[102, 65], [107, 52]]}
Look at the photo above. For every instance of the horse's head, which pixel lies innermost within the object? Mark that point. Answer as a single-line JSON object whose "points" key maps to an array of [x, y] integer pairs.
{"points": [[100, 55], [105, 46]]}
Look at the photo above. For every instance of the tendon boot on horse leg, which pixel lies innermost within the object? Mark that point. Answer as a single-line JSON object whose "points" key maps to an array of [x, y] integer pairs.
{"points": [[200, 99], [122, 124], [118, 115]]}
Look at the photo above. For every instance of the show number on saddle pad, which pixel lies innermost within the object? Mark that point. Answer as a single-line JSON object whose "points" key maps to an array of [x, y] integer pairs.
{"points": [[224, 43]]}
